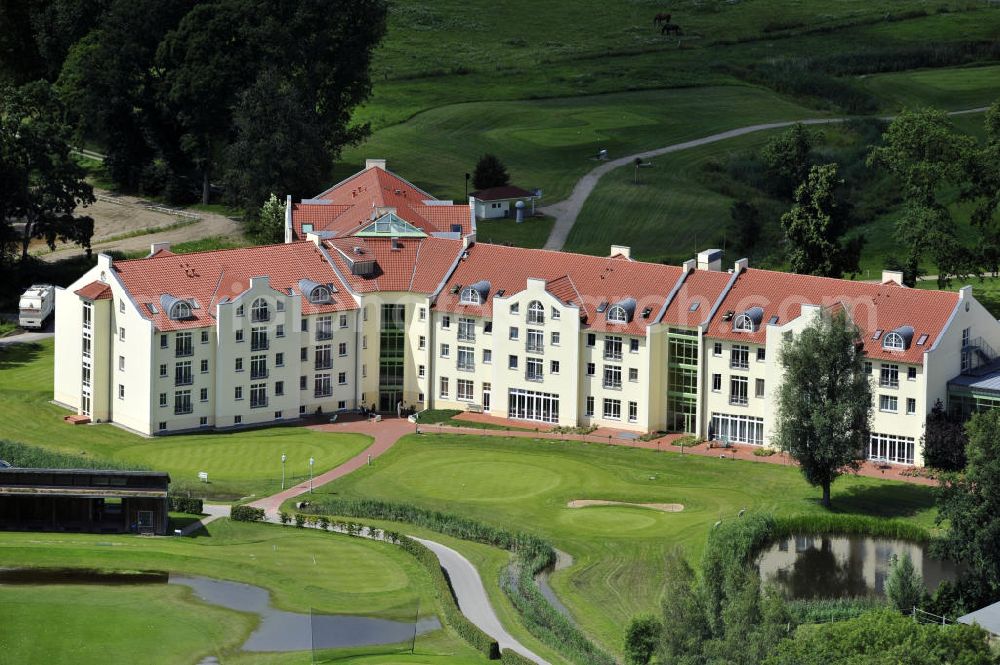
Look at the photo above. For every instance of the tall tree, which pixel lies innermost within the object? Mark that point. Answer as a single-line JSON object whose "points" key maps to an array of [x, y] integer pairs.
{"points": [[983, 187], [905, 587], [788, 159], [745, 226], [969, 503], [268, 225], [490, 172], [641, 637], [944, 440], [824, 402], [814, 228], [42, 184]]}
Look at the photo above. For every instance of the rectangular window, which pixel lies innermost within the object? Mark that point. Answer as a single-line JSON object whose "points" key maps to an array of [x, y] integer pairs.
{"points": [[163, 399], [364, 341], [536, 341], [758, 389], [613, 377], [444, 386], [121, 306], [464, 389], [533, 369], [554, 339], [258, 367], [204, 367], [512, 362], [237, 420], [589, 411], [890, 448], [633, 411], [163, 370], [204, 337], [716, 382], [279, 359], [911, 373], [736, 429], [88, 315], [121, 334], [324, 328], [612, 348], [422, 313], [279, 305], [342, 378], [888, 403], [911, 406], [633, 374], [304, 325], [85, 375], [164, 341], [445, 350], [323, 357], [258, 395], [121, 363], [717, 349], [739, 357], [633, 345], [238, 392], [422, 371], [258, 339], [422, 342], [304, 353], [738, 386], [203, 394], [342, 349], [868, 367], [239, 334], [514, 333], [446, 322], [761, 354], [182, 373], [343, 320], [86, 345], [466, 330], [239, 364], [322, 385], [554, 366], [532, 405], [515, 308], [163, 426], [591, 369], [591, 339], [487, 327], [303, 382], [889, 376], [487, 356], [182, 345], [612, 409], [466, 358], [203, 420], [279, 330], [555, 314]]}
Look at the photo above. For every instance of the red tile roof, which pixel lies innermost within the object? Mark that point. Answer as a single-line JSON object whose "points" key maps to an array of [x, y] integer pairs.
{"points": [[94, 291], [208, 277], [872, 306], [419, 265], [353, 201], [587, 281], [700, 290], [502, 193]]}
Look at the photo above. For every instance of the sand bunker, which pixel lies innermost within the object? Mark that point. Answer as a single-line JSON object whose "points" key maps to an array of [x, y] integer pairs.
{"points": [[664, 507]]}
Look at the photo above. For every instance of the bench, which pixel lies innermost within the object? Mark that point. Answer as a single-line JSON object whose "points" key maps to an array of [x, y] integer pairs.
{"points": [[474, 408]]}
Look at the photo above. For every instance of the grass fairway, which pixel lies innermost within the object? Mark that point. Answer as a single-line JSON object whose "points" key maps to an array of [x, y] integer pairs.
{"points": [[302, 568], [526, 484], [239, 464], [986, 290], [948, 88]]}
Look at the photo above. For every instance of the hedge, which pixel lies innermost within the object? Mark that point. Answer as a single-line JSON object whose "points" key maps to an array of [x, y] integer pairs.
{"points": [[185, 504], [32, 457], [246, 514], [511, 657]]}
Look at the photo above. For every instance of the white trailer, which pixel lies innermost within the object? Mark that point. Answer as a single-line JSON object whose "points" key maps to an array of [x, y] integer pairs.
{"points": [[36, 306]]}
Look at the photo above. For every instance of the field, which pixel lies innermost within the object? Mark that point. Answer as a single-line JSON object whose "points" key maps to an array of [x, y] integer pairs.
{"points": [[526, 485], [985, 290], [303, 569], [238, 464]]}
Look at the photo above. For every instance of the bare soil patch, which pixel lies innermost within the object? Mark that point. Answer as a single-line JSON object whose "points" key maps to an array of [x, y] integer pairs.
{"points": [[663, 507]]}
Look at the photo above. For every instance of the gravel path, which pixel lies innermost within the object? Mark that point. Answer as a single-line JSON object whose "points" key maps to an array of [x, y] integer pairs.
{"points": [[567, 210]]}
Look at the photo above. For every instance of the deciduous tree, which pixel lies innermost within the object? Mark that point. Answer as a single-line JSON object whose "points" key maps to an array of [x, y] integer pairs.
{"points": [[788, 159], [944, 440], [824, 402], [641, 638], [268, 225]]}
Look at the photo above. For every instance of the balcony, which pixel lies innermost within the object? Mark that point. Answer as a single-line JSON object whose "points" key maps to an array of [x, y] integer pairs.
{"points": [[260, 316], [533, 376], [185, 379], [738, 400], [184, 350], [739, 363], [466, 367], [612, 385], [323, 392], [182, 409], [258, 373], [324, 364], [259, 345], [259, 403], [534, 347], [322, 335], [612, 355], [466, 335], [888, 383]]}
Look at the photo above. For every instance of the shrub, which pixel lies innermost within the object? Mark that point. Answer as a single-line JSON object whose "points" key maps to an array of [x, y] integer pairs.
{"points": [[246, 514], [764, 452], [324, 523], [904, 588], [831, 609], [185, 504], [511, 657], [641, 637], [284, 517], [300, 520]]}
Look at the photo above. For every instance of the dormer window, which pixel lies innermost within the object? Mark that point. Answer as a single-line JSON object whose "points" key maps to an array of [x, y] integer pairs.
{"points": [[748, 321], [180, 310], [470, 296], [319, 294], [259, 311], [475, 294], [621, 312], [536, 312], [898, 339]]}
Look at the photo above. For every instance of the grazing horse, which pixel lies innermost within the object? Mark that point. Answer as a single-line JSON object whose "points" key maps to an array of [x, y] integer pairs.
{"points": [[661, 18], [671, 29]]}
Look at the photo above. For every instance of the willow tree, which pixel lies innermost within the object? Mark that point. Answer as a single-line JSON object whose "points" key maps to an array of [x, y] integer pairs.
{"points": [[825, 399]]}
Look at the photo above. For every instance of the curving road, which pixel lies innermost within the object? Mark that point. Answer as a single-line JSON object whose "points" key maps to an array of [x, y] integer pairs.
{"points": [[567, 210]]}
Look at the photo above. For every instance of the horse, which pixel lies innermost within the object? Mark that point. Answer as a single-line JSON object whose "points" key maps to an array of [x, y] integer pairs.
{"points": [[661, 18], [671, 29]]}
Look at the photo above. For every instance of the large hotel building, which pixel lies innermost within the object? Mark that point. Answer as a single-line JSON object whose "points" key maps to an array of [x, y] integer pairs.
{"points": [[382, 295]]}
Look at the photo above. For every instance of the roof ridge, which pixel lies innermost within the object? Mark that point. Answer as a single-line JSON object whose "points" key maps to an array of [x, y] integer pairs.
{"points": [[416, 261]]}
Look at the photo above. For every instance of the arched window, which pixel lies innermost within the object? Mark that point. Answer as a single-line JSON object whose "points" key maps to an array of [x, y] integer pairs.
{"points": [[320, 294], [617, 314], [259, 310], [894, 342], [536, 313], [470, 296], [180, 310], [743, 323]]}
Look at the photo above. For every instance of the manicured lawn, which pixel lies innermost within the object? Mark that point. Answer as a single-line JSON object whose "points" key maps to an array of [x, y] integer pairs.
{"points": [[986, 290], [946, 88], [238, 464], [302, 568], [447, 417], [533, 232], [526, 484]]}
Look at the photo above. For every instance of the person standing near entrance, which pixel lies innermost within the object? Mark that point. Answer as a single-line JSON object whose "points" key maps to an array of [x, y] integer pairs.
{"points": [[399, 409]]}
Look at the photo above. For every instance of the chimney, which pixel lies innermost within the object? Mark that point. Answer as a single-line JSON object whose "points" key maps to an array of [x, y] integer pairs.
{"points": [[741, 265], [624, 250], [157, 246], [374, 164], [710, 259], [689, 265], [315, 239], [895, 276]]}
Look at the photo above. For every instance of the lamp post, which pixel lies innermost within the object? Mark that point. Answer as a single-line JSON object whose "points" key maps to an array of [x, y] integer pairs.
{"points": [[283, 458], [311, 460]]}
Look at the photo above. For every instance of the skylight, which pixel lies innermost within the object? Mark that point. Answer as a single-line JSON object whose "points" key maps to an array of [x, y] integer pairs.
{"points": [[694, 306], [878, 334], [922, 340]]}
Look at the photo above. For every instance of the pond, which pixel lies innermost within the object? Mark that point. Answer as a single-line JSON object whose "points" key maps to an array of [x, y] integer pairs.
{"points": [[277, 631], [843, 566]]}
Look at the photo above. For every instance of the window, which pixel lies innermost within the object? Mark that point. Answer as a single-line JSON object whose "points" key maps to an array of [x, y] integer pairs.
{"points": [[617, 314], [323, 357], [163, 399], [889, 377], [554, 366], [237, 420], [121, 334], [589, 410], [303, 381], [591, 369], [536, 313], [890, 448], [239, 365], [758, 388], [911, 406], [613, 377], [487, 356], [239, 335], [532, 405], [868, 367], [324, 327], [279, 330], [279, 359], [322, 386], [633, 411], [88, 315], [761, 354], [364, 341], [163, 426], [470, 296], [515, 308], [203, 420], [612, 348], [888, 403], [445, 350], [533, 369], [422, 313], [554, 339], [182, 402], [342, 378], [717, 349], [364, 370], [180, 310], [277, 415], [716, 382], [514, 333], [342, 404], [164, 341], [512, 362], [422, 342], [121, 306], [612, 409], [738, 386], [343, 320], [238, 392], [258, 367], [487, 327], [86, 345], [204, 337], [555, 314], [304, 325], [182, 374], [736, 428], [163, 370], [121, 363], [443, 391], [633, 374], [633, 345], [911, 373], [422, 371], [739, 357], [239, 310], [319, 294], [182, 345], [464, 389], [203, 394], [279, 306], [258, 395], [466, 358], [536, 341], [259, 311], [304, 353], [894, 342], [342, 349], [258, 339], [446, 322], [466, 330], [591, 339]]}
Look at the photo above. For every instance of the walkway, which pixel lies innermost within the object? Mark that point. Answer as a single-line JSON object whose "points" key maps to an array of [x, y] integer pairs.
{"points": [[25, 337], [567, 210]]}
